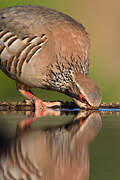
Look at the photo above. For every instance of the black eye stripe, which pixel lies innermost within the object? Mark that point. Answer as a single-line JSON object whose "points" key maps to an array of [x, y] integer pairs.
{"points": [[83, 99]]}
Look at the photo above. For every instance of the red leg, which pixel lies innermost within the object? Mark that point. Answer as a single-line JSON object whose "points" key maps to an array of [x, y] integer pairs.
{"points": [[39, 104]]}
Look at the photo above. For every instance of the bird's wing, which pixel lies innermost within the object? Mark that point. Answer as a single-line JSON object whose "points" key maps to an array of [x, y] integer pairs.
{"points": [[24, 47], [15, 51]]}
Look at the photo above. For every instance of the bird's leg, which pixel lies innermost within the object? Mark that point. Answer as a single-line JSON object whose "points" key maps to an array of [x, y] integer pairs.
{"points": [[26, 92], [39, 104]]}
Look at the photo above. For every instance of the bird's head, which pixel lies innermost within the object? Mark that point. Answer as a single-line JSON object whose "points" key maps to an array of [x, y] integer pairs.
{"points": [[84, 91]]}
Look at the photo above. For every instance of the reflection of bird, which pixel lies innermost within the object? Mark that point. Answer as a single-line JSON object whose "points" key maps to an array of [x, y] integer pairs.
{"points": [[43, 48], [51, 154]]}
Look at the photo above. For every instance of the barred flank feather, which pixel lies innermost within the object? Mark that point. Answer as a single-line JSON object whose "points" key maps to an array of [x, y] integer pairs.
{"points": [[14, 52]]}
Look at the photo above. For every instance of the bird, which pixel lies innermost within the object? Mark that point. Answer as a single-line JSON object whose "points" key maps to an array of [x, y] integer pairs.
{"points": [[43, 48]]}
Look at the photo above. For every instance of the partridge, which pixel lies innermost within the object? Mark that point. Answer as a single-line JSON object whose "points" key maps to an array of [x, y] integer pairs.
{"points": [[44, 48]]}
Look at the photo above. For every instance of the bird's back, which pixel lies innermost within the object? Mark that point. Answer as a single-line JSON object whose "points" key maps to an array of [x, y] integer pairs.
{"points": [[22, 19], [32, 38]]}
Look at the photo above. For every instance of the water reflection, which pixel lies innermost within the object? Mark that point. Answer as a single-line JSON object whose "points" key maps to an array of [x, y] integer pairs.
{"points": [[57, 153]]}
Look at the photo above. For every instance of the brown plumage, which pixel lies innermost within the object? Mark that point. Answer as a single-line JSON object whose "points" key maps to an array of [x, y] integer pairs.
{"points": [[43, 48]]}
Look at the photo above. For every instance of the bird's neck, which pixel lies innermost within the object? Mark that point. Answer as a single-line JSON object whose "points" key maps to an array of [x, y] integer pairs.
{"points": [[60, 74], [59, 77]]}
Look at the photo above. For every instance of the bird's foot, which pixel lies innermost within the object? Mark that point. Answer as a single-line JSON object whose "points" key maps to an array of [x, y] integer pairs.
{"points": [[43, 106], [39, 104], [52, 104]]}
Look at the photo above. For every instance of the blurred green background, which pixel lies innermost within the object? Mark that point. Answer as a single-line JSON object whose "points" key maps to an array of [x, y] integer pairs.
{"points": [[102, 21]]}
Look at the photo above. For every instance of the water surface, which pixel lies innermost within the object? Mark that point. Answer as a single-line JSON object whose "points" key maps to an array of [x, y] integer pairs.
{"points": [[69, 145]]}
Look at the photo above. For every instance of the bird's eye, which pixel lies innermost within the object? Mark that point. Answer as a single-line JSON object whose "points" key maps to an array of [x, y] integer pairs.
{"points": [[83, 99]]}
